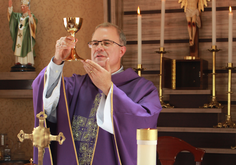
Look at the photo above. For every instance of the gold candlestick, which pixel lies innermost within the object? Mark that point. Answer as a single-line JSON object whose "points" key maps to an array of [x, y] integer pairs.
{"points": [[213, 103], [163, 104], [139, 69], [228, 123]]}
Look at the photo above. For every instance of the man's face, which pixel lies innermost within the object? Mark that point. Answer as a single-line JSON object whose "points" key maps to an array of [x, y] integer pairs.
{"points": [[114, 52], [24, 8]]}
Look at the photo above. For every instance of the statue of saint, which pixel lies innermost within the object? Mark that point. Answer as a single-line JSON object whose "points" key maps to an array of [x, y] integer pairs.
{"points": [[192, 8], [22, 29]]}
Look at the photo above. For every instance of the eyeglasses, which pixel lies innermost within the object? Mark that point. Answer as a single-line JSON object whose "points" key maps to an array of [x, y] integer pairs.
{"points": [[104, 43]]}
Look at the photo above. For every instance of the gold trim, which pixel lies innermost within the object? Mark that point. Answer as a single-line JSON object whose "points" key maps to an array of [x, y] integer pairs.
{"points": [[139, 66], [162, 49], [139, 69], [230, 65], [173, 74], [95, 145], [33, 28], [214, 47], [67, 110], [117, 150], [190, 58], [8, 16], [45, 124], [147, 134]]}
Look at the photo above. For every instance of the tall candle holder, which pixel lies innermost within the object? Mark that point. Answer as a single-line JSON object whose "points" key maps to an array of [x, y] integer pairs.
{"points": [[228, 123], [139, 69], [163, 104], [214, 103]]}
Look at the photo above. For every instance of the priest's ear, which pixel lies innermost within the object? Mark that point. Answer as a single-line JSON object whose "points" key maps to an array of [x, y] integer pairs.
{"points": [[122, 50]]}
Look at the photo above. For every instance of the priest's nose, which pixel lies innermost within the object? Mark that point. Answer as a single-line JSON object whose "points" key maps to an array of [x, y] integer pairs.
{"points": [[100, 47]]}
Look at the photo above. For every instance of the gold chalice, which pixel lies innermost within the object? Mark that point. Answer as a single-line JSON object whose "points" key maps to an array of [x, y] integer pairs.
{"points": [[73, 25]]}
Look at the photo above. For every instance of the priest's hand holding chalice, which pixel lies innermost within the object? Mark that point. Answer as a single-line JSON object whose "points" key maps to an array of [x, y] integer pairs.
{"points": [[65, 46]]}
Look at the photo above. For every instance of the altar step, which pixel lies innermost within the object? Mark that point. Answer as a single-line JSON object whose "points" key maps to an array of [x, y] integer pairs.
{"points": [[195, 125], [217, 143], [185, 158], [202, 137], [187, 98], [196, 130], [191, 110], [194, 117]]}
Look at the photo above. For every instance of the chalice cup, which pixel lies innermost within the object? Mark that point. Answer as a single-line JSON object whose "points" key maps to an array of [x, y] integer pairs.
{"points": [[73, 25]]}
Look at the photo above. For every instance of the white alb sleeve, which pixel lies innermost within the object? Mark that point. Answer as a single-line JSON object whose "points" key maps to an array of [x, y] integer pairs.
{"points": [[104, 118], [10, 9], [51, 92]]}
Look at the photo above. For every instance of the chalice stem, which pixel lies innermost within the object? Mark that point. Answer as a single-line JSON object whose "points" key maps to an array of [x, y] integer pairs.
{"points": [[73, 35]]}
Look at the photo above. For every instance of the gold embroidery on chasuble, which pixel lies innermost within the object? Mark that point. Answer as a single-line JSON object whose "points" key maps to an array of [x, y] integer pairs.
{"points": [[85, 131]]}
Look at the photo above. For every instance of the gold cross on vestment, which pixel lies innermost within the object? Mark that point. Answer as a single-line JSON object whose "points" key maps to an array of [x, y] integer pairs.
{"points": [[20, 35], [18, 45], [41, 137]]}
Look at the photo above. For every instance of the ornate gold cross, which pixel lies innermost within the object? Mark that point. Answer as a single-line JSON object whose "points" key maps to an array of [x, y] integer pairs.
{"points": [[41, 137]]}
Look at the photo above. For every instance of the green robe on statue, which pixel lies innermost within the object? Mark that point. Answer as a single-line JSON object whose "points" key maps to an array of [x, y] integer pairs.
{"points": [[15, 23]]}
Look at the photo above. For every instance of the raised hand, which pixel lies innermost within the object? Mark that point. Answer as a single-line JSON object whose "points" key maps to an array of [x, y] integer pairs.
{"points": [[63, 47], [29, 12], [101, 77], [10, 3]]}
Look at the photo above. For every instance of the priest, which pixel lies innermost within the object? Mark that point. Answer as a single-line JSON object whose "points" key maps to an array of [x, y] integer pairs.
{"points": [[98, 112]]}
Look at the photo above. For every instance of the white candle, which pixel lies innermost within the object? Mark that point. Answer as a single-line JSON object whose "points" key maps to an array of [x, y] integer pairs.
{"points": [[139, 37], [213, 22], [147, 146], [230, 39], [162, 22]]}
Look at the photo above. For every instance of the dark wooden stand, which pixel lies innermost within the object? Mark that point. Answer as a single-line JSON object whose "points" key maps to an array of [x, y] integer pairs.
{"points": [[185, 74]]}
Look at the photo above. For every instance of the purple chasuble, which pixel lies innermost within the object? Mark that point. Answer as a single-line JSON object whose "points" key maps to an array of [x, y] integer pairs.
{"points": [[134, 102]]}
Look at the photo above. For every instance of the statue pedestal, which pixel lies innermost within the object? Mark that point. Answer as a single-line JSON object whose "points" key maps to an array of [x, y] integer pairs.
{"points": [[22, 68]]}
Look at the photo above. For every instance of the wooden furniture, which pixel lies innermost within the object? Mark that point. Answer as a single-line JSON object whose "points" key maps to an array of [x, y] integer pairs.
{"points": [[185, 74], [16, 84], [168, 148], [195, 126]]}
